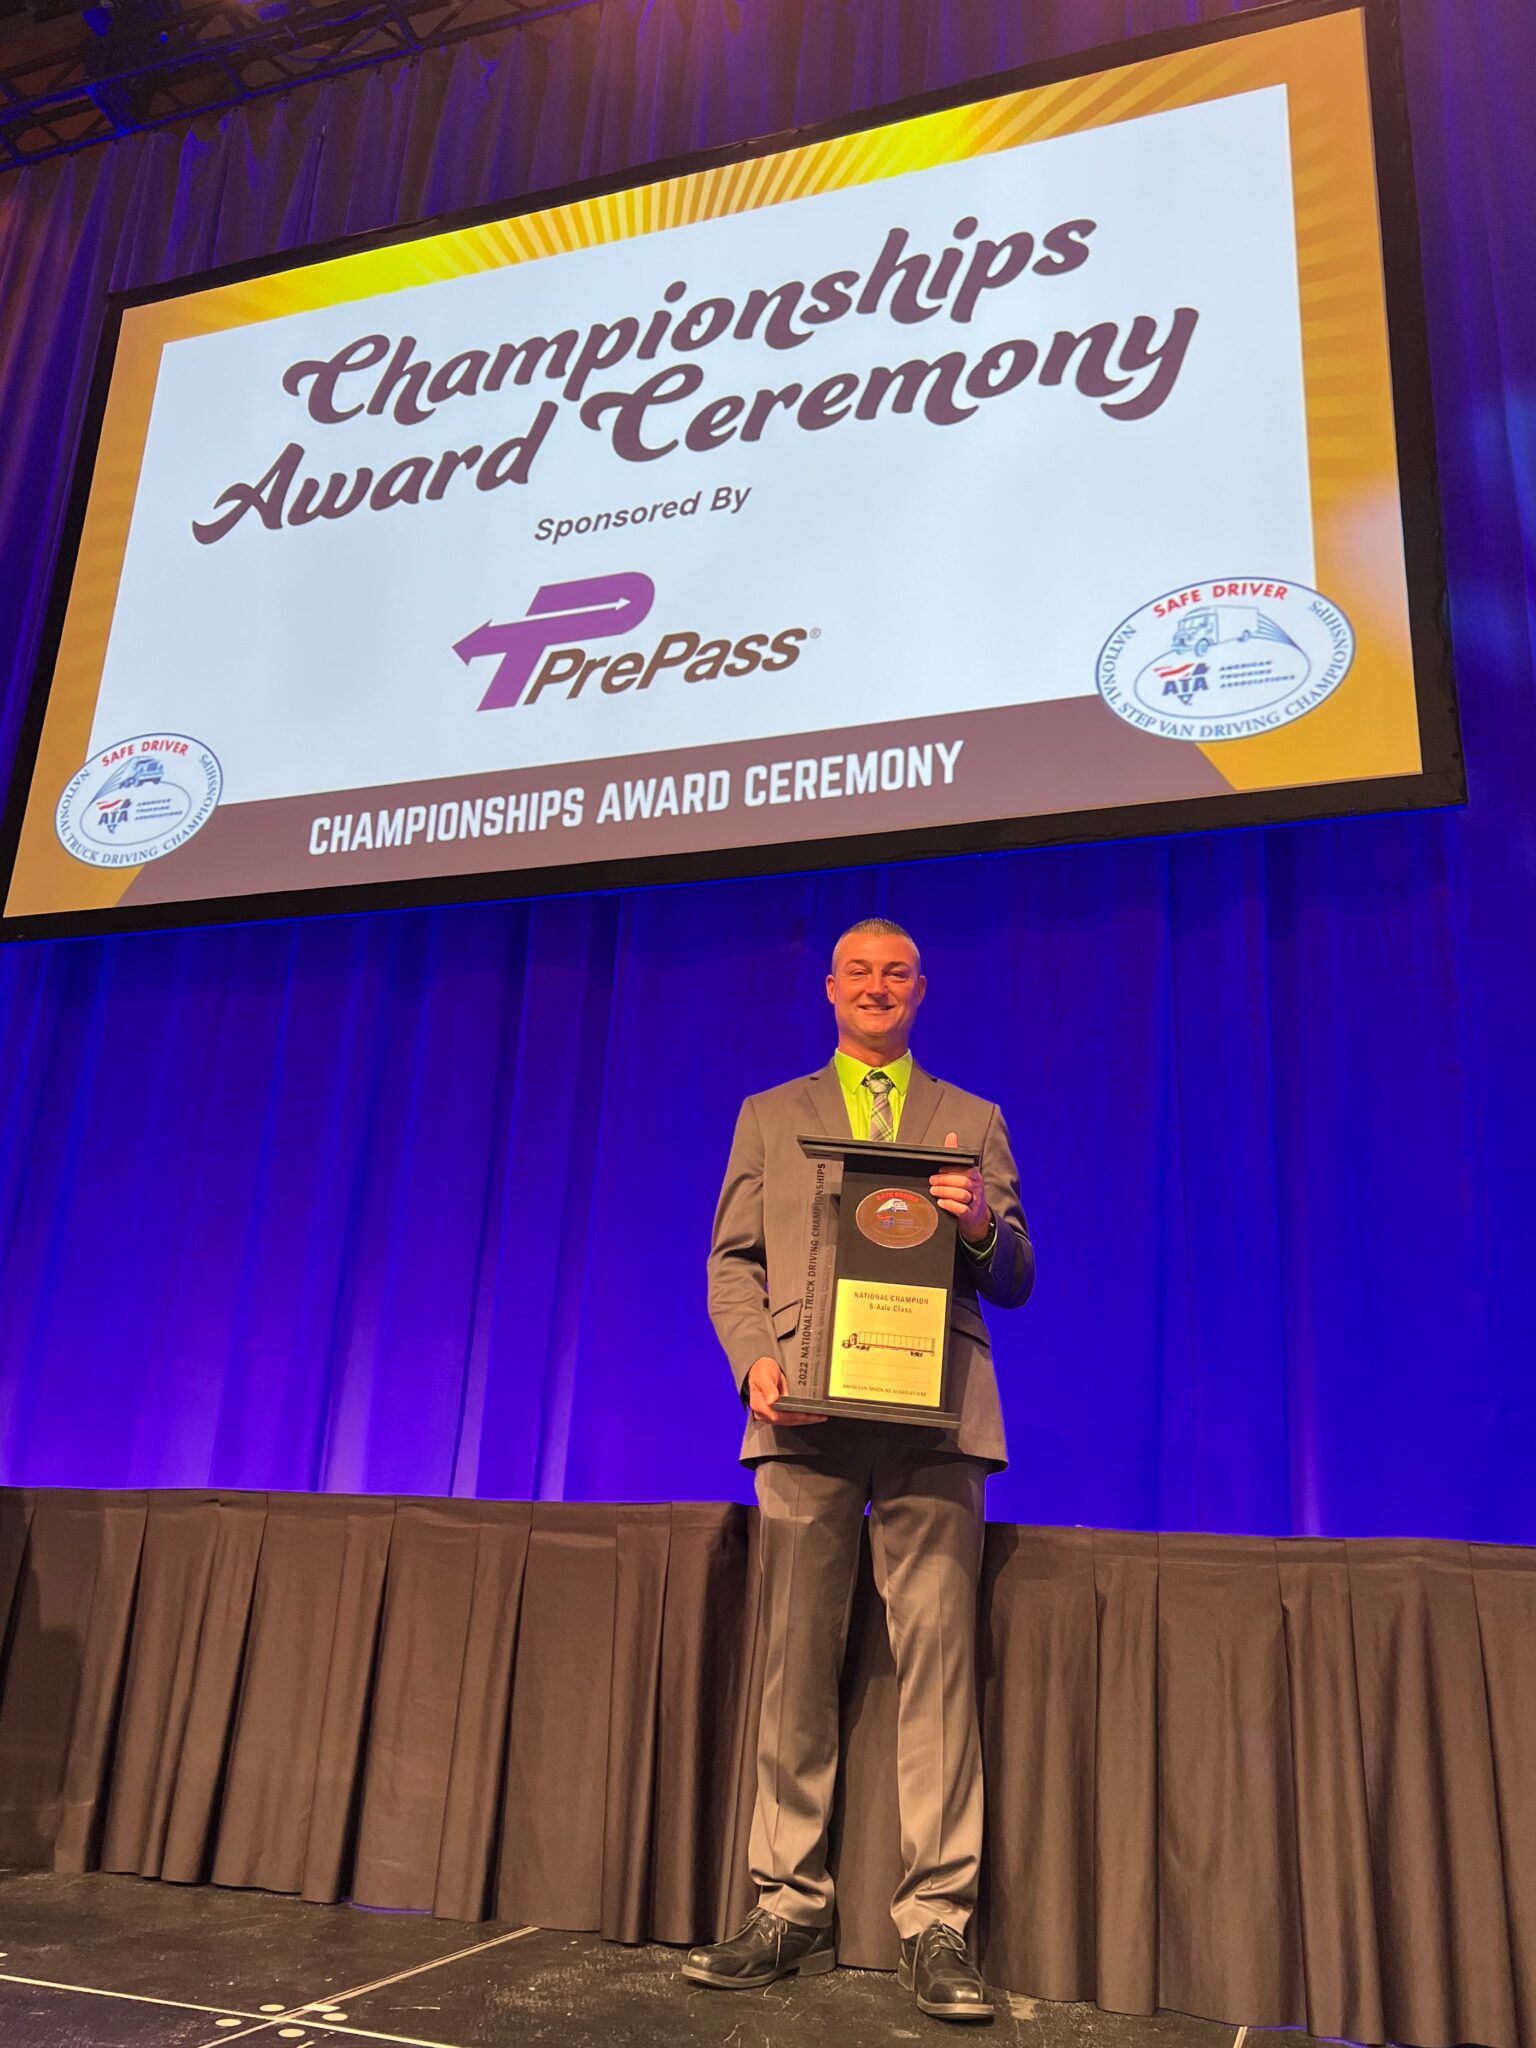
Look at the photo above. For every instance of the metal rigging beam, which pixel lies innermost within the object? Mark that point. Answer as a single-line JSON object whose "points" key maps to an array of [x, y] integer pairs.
{"points": [[145, 63]]}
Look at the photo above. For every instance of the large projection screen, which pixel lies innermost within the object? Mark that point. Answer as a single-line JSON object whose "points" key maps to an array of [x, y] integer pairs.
{"points": [[1048, 463]]}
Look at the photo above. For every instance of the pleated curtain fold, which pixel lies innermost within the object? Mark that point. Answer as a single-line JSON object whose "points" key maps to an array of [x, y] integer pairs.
{"points": [[1282, 1783]]}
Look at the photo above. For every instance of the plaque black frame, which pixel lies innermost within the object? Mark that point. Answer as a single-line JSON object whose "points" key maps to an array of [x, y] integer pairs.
{"points": [[880, 1163]]}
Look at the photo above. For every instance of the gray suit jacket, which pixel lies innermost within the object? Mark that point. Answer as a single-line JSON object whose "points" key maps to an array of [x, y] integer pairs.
{"points": [[757, 1258]]}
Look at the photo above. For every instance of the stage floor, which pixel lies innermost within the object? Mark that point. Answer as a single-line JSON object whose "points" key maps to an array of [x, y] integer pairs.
{"points": [[116, 1962]]}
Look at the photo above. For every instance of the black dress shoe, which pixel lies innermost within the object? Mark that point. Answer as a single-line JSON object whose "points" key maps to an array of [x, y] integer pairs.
{"points": [[947, 1983], [766, 1949]]}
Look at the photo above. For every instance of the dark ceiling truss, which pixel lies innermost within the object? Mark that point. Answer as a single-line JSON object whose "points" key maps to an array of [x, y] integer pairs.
{"points": [[140, 64]]}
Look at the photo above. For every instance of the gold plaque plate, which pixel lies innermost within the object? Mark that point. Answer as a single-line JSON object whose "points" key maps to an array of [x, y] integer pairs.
{"points": [[888, 1343]]}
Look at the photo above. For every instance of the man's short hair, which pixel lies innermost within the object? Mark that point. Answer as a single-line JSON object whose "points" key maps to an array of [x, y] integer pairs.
{"points": [[886, 927]]}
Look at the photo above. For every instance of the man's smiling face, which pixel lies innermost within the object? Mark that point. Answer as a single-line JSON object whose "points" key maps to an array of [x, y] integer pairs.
{"points": [[875, 987]]}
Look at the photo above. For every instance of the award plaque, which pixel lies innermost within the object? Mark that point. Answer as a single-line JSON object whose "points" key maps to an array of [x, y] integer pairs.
{"points": [[880, 1269]]}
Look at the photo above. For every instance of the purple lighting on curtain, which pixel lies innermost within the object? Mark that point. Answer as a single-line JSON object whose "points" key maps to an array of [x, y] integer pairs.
{"points": [[418, 1202]]}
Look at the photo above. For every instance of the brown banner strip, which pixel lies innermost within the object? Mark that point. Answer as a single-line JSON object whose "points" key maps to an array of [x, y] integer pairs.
{"points": [[1025, 760]]}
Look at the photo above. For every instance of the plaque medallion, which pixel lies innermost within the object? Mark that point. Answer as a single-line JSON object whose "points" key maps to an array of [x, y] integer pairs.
{"points": [[897, 1218]]}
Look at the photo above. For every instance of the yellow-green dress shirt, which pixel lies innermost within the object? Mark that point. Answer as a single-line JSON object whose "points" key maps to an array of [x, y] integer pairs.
{"points": [[860, 1101]]}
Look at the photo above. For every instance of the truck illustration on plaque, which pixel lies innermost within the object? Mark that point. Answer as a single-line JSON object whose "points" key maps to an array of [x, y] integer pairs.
{"points": [[880, 1340]]}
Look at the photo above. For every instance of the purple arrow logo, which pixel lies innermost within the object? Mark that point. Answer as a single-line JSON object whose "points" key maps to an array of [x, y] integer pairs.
{"points": [[561, 615]]}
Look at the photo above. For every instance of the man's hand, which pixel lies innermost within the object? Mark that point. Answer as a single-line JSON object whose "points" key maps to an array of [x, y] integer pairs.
{"points": [[766, 1384], [963, 1195]]}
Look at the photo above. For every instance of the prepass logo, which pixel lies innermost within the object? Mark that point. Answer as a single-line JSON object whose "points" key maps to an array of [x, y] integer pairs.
{"points": [[547, 649]]}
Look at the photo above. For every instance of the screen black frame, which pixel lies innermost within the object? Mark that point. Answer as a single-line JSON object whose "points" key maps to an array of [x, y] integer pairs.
{"points": [[1441, 781]]}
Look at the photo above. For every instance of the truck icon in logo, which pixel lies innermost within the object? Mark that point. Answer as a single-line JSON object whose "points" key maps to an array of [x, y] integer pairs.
{"points": [[1221, 624], [134, 776], [112, 804]]}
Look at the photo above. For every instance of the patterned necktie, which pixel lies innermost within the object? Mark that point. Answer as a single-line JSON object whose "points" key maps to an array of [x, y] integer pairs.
{"points": [[881, 1128]]}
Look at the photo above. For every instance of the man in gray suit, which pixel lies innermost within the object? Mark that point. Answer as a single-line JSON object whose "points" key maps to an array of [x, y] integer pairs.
{"points": [[814, 1476]]}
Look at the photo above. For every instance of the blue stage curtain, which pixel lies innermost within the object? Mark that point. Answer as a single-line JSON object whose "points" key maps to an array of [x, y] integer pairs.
{"points": [[418, 1203]]}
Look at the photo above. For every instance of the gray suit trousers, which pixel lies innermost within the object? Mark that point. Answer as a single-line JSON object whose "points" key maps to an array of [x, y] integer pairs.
{"points": [[926, 1529]]}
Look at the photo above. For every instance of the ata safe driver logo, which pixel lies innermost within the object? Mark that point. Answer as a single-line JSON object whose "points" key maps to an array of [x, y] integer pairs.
{"points": [[547, 648], [897, 1218], [1226, 660], [138, 800]]}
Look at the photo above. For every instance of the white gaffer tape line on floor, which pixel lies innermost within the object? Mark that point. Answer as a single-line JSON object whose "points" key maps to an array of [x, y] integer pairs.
{"points": [[309, 2013], [132, 1997]]}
